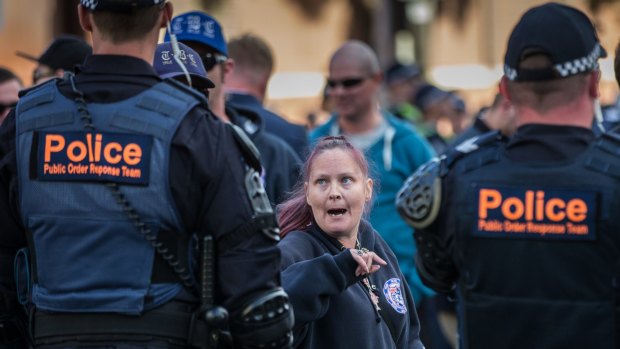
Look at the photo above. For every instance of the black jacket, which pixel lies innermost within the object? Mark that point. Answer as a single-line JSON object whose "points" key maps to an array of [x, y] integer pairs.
{"points": [[332, 306], [294, 135], [280, 163]]}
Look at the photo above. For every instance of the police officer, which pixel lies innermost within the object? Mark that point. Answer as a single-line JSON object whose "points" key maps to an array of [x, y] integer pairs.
{"points": [[145, 220], [525, 231]]}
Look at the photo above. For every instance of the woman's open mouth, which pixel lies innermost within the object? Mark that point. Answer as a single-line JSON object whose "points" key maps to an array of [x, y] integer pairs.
{"points": [[336, 212]]}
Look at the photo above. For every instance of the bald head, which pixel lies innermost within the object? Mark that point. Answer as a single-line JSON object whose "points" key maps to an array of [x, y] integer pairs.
{"points": [[353, 85], [357, 53]]}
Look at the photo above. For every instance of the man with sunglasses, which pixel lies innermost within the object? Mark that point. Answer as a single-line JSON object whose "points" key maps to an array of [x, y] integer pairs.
{"points": [[112, 183], [394, 148], [280, 163], [10, 85]]}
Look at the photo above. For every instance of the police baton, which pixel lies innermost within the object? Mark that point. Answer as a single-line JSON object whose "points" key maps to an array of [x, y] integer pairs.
{"points": [[216, 317]]}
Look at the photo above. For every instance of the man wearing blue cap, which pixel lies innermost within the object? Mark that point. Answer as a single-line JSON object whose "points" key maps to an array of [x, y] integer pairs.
{"points": [[280, 162], [204, 34], [193, 74], [526, 231], [133, 217]]}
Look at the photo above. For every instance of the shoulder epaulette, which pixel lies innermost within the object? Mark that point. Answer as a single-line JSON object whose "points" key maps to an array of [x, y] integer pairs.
{"points": [[469, 146]]}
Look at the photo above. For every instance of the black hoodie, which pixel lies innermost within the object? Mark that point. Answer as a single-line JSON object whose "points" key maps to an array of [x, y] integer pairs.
{"points": [[333, 307]]}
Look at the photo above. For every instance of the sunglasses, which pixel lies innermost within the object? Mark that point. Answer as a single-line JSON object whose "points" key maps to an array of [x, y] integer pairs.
{"points": [[345, 83], [210, 60], [4, 107]]}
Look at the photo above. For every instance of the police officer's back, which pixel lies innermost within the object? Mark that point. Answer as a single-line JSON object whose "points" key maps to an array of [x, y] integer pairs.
{"points": [[526, 231], [142, 212]]}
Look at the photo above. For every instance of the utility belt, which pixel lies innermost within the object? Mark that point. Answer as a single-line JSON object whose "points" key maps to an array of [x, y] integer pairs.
{"points": [[176, 323]]}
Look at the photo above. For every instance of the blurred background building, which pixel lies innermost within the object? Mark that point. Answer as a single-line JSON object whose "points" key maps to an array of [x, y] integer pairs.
{"points": [[458, 43]]}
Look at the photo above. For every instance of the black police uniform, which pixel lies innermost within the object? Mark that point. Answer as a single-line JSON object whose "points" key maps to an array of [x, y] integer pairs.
{"points": [[540, 208], [281, 164], [207, 177], [526, 230]]}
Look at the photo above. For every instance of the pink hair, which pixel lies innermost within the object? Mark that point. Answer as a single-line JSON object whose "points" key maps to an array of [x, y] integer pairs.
{"points": [[295, 213]]}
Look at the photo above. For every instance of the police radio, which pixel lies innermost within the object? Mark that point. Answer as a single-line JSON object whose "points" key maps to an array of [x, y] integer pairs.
{"points": [[598, 114], [176, 53]]}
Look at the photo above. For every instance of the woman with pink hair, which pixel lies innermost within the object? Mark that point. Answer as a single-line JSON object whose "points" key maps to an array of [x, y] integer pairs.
{"points": [[343, 280]]}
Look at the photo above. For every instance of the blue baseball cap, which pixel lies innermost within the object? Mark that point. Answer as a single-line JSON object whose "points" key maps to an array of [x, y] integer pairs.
{"points": [[121, 6], [563, 33], [167, 67], [199, 27]]}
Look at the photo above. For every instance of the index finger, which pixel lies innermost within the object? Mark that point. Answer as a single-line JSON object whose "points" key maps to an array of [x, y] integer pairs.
{"points": [[378, 259]]}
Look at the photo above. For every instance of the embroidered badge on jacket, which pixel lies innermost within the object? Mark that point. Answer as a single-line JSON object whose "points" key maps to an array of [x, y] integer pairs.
{"points": [[394, 295]]}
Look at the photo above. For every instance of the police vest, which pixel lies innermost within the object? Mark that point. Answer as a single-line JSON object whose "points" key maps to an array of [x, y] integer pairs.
{"points": [[87, 255], [537, 248]]}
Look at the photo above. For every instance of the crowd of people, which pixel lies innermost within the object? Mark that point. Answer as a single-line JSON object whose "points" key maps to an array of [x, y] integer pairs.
{"points": [[149, 199]]}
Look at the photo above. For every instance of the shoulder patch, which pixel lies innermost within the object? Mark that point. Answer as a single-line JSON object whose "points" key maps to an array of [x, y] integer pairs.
{"points": [[393, 293], [468, 145], [419, 199], [471, 146]]}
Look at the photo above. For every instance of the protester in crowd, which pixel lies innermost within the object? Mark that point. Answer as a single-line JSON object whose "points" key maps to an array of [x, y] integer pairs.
{"points": [[525, 231], [62, 55], [436, 105], [280, 163], [499, 116], [344, 281], [402, 84], [457, 116], [120, 182], [10, 85], [247, 86], [389, 144]]}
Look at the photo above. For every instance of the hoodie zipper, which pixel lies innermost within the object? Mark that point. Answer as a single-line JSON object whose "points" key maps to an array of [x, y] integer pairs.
{"points": [[367, 291], [369, 288]]}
